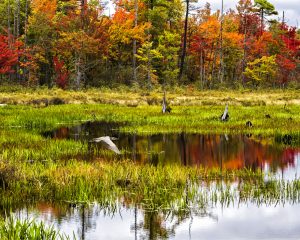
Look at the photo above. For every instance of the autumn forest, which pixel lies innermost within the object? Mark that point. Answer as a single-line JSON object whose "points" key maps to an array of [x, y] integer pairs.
{"points": [[146, 43], [149, 119]]}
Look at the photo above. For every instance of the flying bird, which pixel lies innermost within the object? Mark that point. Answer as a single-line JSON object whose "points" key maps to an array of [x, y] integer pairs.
{"points": [[108, 141]]}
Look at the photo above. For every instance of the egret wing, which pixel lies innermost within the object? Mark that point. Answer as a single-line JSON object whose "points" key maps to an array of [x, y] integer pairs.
{"points": [[109, 143]]}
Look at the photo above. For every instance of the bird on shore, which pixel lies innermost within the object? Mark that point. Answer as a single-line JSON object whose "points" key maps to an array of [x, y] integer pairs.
{"points": [[108, 141], [225, 115]]}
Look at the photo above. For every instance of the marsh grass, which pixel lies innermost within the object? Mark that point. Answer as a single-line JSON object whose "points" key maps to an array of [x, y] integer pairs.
{"points": [[12, 228], [147, 120], [126, 96], [35, 168], [153, 188]]}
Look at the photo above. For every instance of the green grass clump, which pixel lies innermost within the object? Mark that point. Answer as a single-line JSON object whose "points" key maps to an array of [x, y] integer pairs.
{"points": [[12, 228]]}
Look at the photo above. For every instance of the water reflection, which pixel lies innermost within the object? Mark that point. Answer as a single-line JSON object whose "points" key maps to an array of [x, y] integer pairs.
{"points": [[239, 221], [210, 150]]}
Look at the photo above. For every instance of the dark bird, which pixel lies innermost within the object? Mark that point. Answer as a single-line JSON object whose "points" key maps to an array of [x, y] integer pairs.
{"points": [[268, 116], [165, 107], [225, 115], [108, 141], [249, 124]]}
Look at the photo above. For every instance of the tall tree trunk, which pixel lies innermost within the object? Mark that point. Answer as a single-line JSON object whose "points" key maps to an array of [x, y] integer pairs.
{"points": [[78, 73], [17, 32], [9, 31], [25, 37], [83, 4], [261, 22], [221, 67], [81, 58], [134, 42], [8, 24], [244, 52], [184, 39], [201, 69], [214, 64], [149, 69], [18, 19]]}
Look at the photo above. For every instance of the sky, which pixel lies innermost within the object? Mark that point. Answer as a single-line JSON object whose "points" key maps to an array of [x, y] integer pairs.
{"points": [[290, 7]]}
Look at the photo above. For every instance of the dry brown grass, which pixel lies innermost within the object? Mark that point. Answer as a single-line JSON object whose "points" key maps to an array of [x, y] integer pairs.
{"points": [[126, 97]]}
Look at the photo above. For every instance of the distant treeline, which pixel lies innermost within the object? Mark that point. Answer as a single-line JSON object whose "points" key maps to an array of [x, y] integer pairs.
{"points": [[75, 44]]}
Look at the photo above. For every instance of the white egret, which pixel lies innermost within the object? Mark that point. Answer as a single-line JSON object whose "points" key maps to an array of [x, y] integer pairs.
{"points": [[108, 141]]}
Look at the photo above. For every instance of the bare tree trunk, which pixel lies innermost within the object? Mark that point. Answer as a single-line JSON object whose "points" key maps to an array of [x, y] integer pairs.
{"points": [[8, 24], [18, 19], [210, 63], [201, 69], [9, 30], [244, 51], [213, 65], [149, 70], [15, 19], [184, 39], [134, 42], [204, 74], [221, 47], [17, 32], [83, 4], [78, 73], [262, 22], [25, 37]]}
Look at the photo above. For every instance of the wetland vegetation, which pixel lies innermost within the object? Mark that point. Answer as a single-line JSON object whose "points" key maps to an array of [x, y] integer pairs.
{"points": [[112, 120], [47, 157]]}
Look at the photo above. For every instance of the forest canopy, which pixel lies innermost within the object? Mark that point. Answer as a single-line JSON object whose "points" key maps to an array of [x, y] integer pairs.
{"points": [[76, 44]]}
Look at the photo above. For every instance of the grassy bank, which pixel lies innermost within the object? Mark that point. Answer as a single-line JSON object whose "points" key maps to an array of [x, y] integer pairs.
{"points": [[149, 119], [137, 97]]}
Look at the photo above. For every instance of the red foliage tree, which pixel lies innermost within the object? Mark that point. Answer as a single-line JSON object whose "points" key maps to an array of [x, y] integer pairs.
{"points": [[9, 54], [62, 74], [289, 57]]}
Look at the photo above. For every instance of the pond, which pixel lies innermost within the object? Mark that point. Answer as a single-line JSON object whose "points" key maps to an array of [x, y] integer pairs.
{"points": [[275, 155], [240, 221], [234, 219]]}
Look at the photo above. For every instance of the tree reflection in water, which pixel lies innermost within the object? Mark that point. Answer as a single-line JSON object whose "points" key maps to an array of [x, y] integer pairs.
{"points": [[207, 150]]}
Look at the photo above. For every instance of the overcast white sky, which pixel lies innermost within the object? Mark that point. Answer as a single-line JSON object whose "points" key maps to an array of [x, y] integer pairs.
{"points": [[290, 7]]}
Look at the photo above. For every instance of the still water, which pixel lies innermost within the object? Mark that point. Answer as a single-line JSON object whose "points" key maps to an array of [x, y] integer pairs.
{"points": [[244, 221], [222, 151], [238, 220]]}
